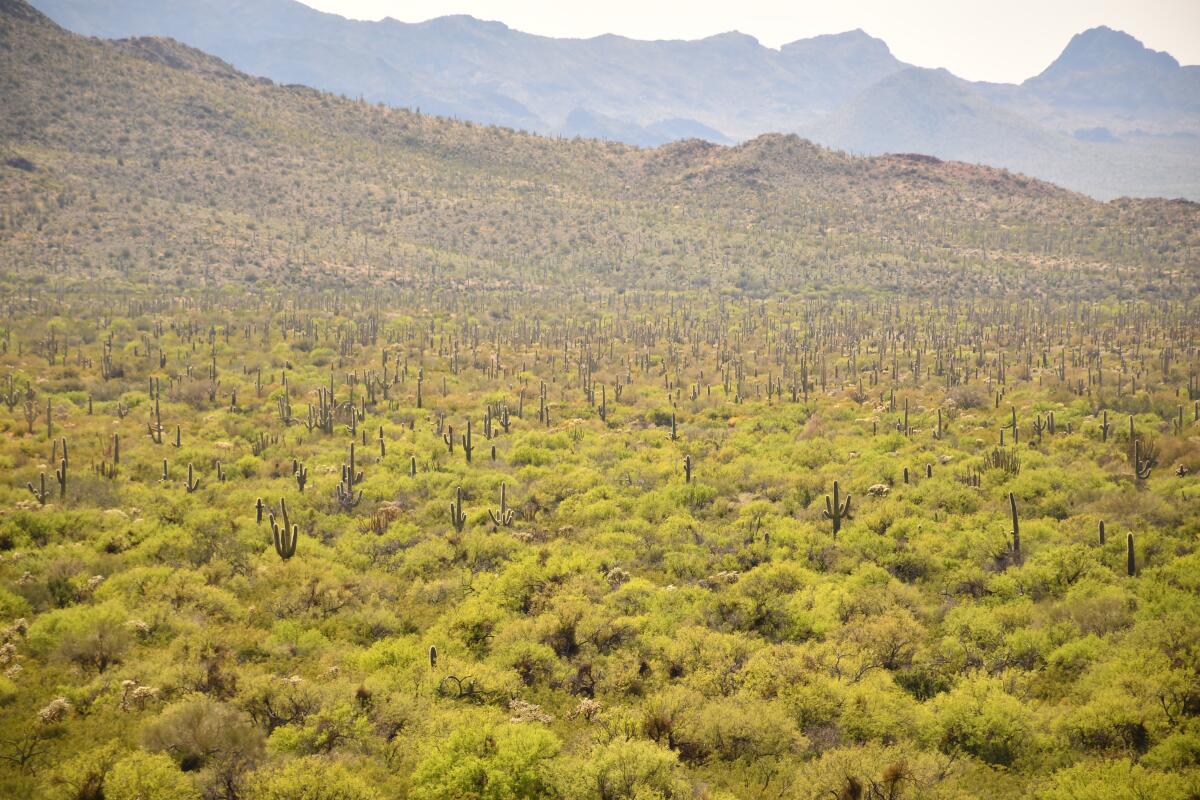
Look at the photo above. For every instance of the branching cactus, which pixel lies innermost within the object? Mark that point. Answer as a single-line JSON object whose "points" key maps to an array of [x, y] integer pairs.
{"points": [[284, 535], [155, 428], [344, 492], [193, 483], [506, 515], [1143, 460], [1016, 432], [1039, 427], [41, 493], [466, 442], [60, 474], [457, 517], [835, 510]]}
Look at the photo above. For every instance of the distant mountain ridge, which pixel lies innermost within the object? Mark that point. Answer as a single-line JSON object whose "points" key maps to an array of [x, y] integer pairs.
{"points": [[1107, 117]]}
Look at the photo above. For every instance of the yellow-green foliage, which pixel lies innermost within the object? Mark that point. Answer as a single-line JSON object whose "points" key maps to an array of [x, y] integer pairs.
{"points": [[189, 234]]}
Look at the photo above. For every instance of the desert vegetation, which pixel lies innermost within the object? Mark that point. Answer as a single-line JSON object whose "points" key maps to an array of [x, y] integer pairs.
{"points": [[349, 453]]}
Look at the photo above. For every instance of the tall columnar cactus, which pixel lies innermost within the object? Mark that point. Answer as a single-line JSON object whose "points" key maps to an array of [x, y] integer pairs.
{"points": [[468, 448], [192, 483], [1105, 427], [836, 510], [1102, 537], [284, 535], [60, 474], [1016, 432], [674, 430], [457, 517], [506, 515], [41, 493], [1016, 528], [687, 469], [433, 656], [1143, 460], [344, 492], [155, 428], [301, 473], [1130, 558]]}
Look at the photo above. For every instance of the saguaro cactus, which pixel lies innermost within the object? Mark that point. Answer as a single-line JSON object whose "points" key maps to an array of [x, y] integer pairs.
{"points": [[836, 510], [466, 442], [40, 493], [1130, 558], [60, 474], [506, 515], [192, 483], [1016, 528], [457, 517], [344, 492], [1143, 460], [284, 535]]}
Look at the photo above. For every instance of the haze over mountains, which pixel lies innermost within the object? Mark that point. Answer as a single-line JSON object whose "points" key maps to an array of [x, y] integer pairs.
{"points": [[1109, 117]]}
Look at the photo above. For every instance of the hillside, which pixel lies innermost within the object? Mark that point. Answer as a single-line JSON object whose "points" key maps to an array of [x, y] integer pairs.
{"points": [[351, 453], [1109, 117], [284, 181]]}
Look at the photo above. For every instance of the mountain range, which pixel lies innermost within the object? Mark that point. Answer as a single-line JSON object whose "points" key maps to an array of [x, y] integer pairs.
{"points": [[1109, 117]]}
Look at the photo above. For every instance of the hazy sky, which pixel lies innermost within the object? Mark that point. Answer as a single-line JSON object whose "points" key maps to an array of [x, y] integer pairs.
{"points": [[998, 40]]}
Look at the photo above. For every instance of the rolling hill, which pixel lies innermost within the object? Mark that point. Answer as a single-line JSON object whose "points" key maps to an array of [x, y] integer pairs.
{"points": [[1109, 117], [146, 155]]}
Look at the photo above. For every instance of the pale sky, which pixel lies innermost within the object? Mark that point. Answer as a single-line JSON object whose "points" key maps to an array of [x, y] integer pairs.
{"points": [[996, 40]]}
